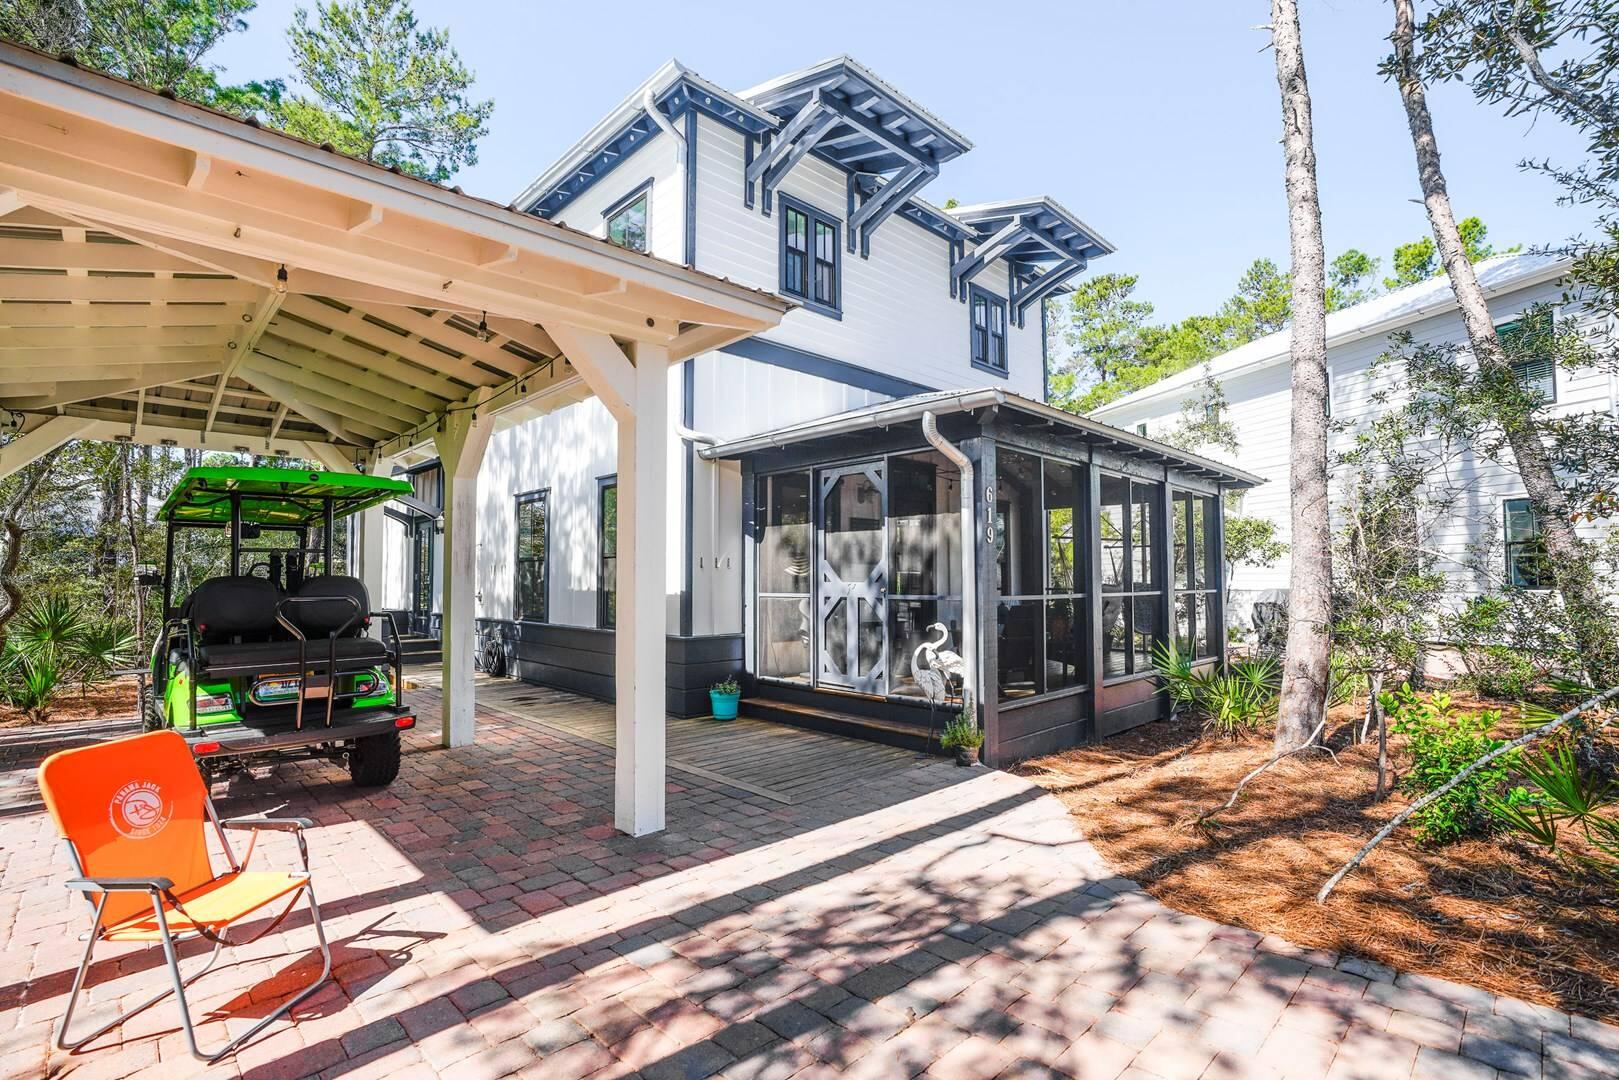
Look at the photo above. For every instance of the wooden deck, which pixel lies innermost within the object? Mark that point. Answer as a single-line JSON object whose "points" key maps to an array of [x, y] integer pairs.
{"points": [[785, 764]]}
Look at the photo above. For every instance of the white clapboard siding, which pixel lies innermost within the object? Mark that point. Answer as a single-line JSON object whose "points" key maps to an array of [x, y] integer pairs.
{"points": [[655, 160], [1363, 388]]}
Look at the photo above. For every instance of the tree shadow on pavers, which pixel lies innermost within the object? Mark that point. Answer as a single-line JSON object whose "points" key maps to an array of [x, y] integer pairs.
{"points": [[900, 970]]}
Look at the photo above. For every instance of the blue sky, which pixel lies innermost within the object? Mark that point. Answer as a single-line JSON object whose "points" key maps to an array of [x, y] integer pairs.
{"points": [[1161, 130]]}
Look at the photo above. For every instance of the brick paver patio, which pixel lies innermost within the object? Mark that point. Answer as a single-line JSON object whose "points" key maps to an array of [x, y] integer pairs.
{"points": [[487, 921]]}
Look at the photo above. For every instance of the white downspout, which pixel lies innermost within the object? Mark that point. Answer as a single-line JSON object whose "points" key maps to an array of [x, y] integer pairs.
{"points": [[969, 548], [703, 438], [649, 102]]}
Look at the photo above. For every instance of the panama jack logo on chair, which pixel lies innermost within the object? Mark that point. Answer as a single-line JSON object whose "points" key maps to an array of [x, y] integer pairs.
{"points": [[138, 810]]}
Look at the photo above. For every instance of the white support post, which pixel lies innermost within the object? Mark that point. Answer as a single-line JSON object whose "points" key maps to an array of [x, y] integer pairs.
{"points": [[643, 611], [461, 445]]}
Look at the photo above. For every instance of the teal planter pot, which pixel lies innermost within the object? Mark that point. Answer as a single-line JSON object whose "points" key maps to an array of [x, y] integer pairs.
{"points": [[724, 705]]}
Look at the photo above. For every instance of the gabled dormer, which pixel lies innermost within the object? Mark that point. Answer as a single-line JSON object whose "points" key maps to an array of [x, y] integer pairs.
{"points": [[1041, 242], [888, 146]]}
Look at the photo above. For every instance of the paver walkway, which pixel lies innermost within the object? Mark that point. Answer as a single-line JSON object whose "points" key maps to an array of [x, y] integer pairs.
{"points": [[488, 921]]}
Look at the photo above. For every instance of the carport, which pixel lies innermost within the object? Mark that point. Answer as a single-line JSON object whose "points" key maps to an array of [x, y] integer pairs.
{"points": [[171, 275]]}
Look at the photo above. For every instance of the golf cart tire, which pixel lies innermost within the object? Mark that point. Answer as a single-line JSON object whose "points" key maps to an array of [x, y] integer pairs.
{"points": [[152, 716], [374, 761]]}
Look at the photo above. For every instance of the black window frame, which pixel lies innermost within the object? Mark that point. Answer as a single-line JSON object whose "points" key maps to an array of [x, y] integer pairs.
{"points": [[992, 304], [606, 577], [1521, 505], [1129, 592], [1196, 555], [1524, 369], [814, 220], [642, 191], [543, 497]]}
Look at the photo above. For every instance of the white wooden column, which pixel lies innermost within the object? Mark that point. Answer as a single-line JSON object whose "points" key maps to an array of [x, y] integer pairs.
{"points": [[460, 445], [643, 585]]}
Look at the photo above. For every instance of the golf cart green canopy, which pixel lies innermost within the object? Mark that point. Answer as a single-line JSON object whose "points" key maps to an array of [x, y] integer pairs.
{"points": [[279, 497]]}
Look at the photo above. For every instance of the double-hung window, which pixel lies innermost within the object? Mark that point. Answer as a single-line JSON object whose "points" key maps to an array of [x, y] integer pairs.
{"points": [[607, 536], [988, 329], [533, 529], [1527, 567], [810, 265], [1528, 344], [627, 219]]}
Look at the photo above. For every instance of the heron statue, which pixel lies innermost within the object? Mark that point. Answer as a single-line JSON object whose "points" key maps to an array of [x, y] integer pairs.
{"points": [[935, 668]]}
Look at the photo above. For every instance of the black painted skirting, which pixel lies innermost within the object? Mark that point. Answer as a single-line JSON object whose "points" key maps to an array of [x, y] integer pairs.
{"points": [[581, 659]]}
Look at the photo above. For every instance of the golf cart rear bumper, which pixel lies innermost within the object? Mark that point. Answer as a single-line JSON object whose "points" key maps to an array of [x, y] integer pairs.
{"points": [[233, 740]]}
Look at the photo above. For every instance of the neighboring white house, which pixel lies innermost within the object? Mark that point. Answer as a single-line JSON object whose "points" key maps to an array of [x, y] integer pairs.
{"points": [[820, 560], [1255, 381]]}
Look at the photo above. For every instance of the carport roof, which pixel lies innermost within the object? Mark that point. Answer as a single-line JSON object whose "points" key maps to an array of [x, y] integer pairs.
{"points": [[177, 274]]}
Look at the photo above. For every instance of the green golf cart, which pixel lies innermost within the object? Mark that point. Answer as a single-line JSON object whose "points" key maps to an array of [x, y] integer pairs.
{"points": [[275, 658]]}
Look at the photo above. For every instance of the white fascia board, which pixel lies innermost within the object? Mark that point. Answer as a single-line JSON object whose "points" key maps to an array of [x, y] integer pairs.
{"points": [[1498, 276]]}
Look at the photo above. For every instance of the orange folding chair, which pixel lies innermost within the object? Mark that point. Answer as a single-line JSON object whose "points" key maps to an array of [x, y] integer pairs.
{"points": [[134, 813]]}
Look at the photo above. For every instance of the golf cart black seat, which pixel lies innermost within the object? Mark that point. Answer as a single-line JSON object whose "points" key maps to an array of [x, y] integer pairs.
{"points": [[269, 657], [323, 607], [234, 610]]}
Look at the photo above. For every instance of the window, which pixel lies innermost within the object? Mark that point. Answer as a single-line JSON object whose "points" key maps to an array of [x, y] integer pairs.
{"points": [[809, 257], [1141, 429], [1528, 344], [1527, 567], [533, 525], [627, 219], [607, 565], [782, 564], [1130, 587], [988, 330], [1039, 545], [1196, 519]]}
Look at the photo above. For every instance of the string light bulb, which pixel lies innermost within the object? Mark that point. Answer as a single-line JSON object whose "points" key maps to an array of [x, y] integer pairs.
{"points": [[483, 327]]}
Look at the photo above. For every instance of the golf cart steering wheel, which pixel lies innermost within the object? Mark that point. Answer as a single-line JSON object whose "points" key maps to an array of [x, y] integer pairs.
{"points": [[253, 571]]}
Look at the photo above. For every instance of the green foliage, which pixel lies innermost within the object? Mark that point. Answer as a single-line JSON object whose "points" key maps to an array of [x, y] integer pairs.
{"points": [[31, 683], [373, 84], [1443, 740], [157, 43], [1249, 541], [960, 733], [1230, 702], [1559, 794], [727, 685], [1350, 279], [53, 643]]}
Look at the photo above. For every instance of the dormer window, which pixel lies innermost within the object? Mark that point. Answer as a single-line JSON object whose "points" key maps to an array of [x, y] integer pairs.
{"points": [[988, 331], [809, 257], [627, 219]]}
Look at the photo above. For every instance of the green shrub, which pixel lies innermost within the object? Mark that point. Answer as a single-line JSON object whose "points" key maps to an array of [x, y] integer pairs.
{"points": [[1562, 793], [1239, 699], [32, 684], [962, 729], [1442, 741], [52, 644], [727, 685]]}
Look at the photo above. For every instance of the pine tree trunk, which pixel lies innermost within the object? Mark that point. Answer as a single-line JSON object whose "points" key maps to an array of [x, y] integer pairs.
{"points": [[1305, 668], [1573, 571]]}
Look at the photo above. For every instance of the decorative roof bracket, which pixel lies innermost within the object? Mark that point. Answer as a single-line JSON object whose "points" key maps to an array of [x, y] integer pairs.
{"points": [[968, 267], [884, 202], [1043, 286]]}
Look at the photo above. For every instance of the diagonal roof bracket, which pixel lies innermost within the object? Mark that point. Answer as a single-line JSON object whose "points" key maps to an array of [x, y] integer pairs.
{"points": [[968, 267], [885, 201], [1042, 286], [788, 148]]}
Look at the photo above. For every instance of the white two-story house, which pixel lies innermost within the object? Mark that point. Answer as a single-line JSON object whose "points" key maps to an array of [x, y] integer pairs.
{"points": [[819, 536], [1485, 541]]}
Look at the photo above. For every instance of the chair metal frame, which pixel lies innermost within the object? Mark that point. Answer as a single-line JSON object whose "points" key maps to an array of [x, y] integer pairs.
{"points": [[97, 891]]}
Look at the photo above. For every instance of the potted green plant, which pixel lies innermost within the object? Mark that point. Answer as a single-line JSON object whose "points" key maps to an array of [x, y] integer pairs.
{"points": [[723, 697], [962, 735]]}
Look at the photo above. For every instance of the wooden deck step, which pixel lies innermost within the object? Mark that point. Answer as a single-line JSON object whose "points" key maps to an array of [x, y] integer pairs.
{"points": [[875, 729]]}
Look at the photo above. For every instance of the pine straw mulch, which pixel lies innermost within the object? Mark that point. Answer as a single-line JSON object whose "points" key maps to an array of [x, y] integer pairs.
{"points": [[112, 699], [1492, 913]]}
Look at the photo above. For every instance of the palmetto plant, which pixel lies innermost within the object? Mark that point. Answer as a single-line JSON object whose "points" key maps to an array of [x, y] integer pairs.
{"points": [[1238, 699], [54, 644], [1559, 795]]}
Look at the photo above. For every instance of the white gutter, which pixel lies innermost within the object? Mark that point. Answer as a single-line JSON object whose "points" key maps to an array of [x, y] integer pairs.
{"points": [[969, 557]]}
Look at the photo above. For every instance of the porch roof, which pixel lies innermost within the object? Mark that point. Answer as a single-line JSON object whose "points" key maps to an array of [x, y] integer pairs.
{"points": [[908, 410]]}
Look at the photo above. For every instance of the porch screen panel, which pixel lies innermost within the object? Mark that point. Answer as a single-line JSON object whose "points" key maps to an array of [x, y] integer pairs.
{"points": [[1040, 627], [1129, 537], [924, 553], [1196, 518], [783, 565]]}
